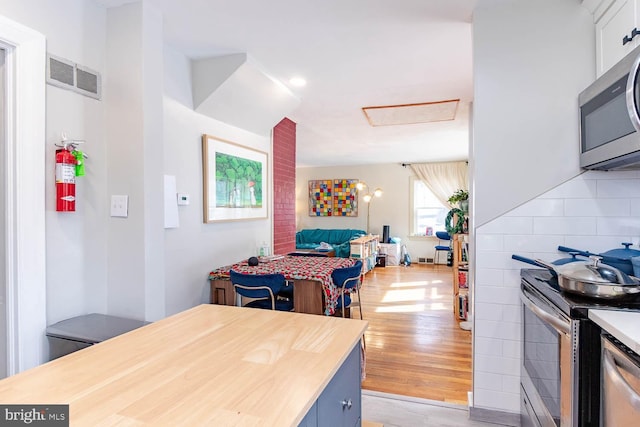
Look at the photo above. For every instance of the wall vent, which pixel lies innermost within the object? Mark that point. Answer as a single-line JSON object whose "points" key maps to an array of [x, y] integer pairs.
{"points": [[425, 260], [69, 75]]}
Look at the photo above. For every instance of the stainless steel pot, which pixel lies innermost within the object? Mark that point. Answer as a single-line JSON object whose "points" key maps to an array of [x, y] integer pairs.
{"points": [[593, 279]]}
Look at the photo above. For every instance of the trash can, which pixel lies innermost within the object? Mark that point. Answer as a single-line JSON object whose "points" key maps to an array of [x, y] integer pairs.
{"points": [[79, 332]]}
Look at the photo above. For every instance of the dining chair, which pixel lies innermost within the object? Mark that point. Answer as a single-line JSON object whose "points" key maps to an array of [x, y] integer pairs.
{"points": [[348, 278], [440, 247], [263, 289]]}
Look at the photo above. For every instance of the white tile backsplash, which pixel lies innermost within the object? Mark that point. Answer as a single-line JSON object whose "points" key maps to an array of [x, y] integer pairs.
{"points": [[498, 329], [618, 226], [577, 188], [488, 346], [599, 211], [521, 244], [596, 207], [488, 381], [512, 349], [489, 276], [509, 295], [496, 400], [491, 242], [512, 313], [618, 188], [497, 365], [489, 311], [564, 225], [539, 207], [508, 225], [501, 260], [634, 207]]}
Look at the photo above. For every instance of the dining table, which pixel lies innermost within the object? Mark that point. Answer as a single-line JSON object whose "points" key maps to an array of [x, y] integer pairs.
{"points": [[311, 276]]}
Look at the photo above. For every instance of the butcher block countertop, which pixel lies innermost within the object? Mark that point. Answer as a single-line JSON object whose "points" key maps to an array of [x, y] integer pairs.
{"points": [[209, 365]]}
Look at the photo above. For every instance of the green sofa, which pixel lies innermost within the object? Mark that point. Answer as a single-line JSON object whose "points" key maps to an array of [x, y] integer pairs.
{"points": [[338, 238]]}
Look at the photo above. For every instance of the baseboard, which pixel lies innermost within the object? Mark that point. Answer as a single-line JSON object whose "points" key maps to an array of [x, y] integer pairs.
{"points": [[495, 417]]}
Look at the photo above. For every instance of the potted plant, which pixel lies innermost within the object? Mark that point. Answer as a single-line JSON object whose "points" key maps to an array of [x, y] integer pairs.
{"points": [[461, 197]]}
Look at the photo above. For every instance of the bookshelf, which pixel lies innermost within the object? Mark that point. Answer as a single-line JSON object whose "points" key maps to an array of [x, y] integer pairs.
{"points": [[366, 249], [461, 275]]}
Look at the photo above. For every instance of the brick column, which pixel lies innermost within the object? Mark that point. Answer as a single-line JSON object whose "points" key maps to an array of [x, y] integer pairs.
{"points": [[284, 187]]}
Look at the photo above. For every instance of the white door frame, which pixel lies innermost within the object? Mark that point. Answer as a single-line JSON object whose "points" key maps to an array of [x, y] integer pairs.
{"points": [[25, 195]]}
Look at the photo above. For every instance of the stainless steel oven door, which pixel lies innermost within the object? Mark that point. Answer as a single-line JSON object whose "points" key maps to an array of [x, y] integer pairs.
{"points": [[620, 385], [549, 362]]}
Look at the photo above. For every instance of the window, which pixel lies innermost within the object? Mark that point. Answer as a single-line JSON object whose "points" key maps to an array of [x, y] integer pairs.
{"points": [[426, 210]]}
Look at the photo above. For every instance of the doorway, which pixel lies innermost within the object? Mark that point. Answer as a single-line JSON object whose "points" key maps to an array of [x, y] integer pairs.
{"points": [[23, 194], [3, 238]]}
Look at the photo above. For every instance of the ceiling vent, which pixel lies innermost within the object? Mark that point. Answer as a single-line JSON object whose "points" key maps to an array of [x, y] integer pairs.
{"points": [[407, 114], [69, 75], [236, 90]]}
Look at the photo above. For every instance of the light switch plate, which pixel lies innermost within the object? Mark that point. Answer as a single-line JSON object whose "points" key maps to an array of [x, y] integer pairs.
{"points": [[120, 206]]}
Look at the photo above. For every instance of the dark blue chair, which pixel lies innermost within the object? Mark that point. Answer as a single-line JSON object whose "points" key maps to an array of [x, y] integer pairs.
{"points": [[348, 278], [263, 288], [442, 235]]}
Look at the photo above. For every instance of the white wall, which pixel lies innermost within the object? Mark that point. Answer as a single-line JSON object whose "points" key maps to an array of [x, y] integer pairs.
{"points": [[391, 209], [195, 248], [531, 59]]}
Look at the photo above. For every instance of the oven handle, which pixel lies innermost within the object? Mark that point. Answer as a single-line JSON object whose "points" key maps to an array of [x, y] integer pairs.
{"points": [[559, 323], [609, 365]]}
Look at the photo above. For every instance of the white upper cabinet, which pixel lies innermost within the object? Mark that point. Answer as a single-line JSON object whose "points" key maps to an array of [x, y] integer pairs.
{"points": [[617, 31]]}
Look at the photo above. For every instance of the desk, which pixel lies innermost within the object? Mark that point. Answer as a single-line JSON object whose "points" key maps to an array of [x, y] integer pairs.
{"points": [[314, 291]]}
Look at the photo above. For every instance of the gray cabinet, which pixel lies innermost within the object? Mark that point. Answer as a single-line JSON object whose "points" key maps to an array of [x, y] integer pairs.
{"points": [[340, 403]]}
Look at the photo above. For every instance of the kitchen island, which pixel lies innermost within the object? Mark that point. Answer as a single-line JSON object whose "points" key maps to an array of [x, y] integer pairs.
{"points": [[209, 365]]}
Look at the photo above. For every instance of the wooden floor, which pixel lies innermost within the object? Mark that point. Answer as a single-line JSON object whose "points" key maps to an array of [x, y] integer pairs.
{"points": [[414, 344]]}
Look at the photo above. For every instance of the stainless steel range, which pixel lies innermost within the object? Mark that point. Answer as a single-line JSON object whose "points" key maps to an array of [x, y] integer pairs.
{"points": [[560, 378]]}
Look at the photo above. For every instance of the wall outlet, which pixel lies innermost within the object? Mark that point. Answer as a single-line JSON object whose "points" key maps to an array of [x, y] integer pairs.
{"points": [[120, 206]]}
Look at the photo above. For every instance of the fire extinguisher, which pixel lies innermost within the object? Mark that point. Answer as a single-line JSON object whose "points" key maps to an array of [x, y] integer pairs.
{"points": [[65, 180]]}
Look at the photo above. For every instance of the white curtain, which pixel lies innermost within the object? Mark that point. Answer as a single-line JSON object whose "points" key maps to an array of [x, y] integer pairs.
{"points": [[443, 178]]}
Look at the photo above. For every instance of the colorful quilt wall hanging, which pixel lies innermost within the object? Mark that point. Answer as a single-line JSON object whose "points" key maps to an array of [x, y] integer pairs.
{"points": [[333, 197]]}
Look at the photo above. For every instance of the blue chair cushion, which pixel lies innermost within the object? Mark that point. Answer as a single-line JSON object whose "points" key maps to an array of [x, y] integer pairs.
{"points": [[347, 301], [339, 275], [281, 304], [442, 248], [443, 235]]}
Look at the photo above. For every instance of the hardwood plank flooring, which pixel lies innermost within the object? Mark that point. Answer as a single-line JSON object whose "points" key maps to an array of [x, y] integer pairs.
{"points": [[415, 346]]}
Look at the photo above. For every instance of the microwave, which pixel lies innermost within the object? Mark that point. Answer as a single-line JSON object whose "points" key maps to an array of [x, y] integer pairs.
{"points": [[610, 118]]}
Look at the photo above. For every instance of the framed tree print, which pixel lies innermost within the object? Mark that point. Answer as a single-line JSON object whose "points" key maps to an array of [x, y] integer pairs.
{"points": [[234, 181]]}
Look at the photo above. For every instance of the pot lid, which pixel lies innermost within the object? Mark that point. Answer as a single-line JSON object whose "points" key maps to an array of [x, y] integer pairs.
{"points": [[592, 271], [622, 253]]}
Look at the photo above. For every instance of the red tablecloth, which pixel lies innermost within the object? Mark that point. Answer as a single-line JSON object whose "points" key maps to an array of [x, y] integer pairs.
{"points": [[296, 267]]}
